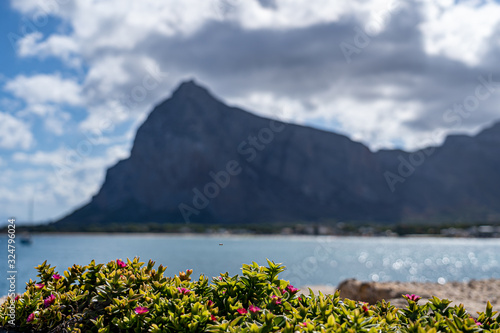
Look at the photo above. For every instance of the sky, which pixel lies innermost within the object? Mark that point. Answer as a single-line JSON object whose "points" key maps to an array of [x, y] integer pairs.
{"points": [[78, 77]]}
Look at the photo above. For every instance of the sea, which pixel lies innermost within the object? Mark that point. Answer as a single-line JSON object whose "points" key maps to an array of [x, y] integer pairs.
{"points": [[318, 260]]}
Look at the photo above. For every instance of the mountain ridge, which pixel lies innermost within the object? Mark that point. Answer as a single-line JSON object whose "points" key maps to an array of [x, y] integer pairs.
{"points": [[287, 172]]}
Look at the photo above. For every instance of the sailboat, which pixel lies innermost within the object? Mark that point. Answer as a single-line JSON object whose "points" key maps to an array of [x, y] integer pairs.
{"points": [[25, 238]]}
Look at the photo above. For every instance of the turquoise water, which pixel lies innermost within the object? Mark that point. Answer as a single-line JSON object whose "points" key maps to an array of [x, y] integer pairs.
{"points": [[309, 260]]}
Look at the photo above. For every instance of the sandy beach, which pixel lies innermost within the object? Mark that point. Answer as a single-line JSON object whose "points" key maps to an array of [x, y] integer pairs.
{"points": [[474, 295]]}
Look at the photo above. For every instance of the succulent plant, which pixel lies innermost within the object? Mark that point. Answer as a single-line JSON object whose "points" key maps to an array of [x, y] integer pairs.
{"points": [[133, 297]]}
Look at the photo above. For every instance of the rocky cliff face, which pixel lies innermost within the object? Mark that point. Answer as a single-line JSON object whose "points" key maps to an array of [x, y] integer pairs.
{"points": [[458, 181], [196, 159]]}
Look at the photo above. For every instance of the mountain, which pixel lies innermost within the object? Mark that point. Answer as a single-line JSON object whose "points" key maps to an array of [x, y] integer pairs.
{"points": [[196, 159]]}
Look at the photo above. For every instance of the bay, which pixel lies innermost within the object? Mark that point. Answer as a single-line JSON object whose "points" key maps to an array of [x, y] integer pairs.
{"points": [[317, 260]]}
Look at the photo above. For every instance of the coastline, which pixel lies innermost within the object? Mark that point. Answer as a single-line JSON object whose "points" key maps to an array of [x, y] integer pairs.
{"points": [[249, 235]]}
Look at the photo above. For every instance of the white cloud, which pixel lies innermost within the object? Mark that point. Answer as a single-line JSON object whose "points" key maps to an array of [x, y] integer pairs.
{"points": [[109, 37], [45, 95], [106, 74], [287, 14], [38, 158], [53, 118], [45, 88], [21, 186], [10, 104], [60, 46], [76, 158], [269, 105], [14, 133], [123, 88], [376, 123], [121, 25], [445, 32], [38, 7], [106, 117], [55, 123], [62, 178], [106, 35], [41, 110]]}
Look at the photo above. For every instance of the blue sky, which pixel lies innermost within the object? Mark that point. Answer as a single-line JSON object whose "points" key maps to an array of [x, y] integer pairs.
{"points": [[78, 77]]}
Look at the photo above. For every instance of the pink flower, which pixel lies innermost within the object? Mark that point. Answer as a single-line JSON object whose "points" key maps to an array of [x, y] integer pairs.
{"points": [[212, 317], [299, 298], [140, 310], [39, 285], [56, 276], [291, 289], [120, 263], [304, 324], [49, 301], [365, 308], [17, 297], [184, 291], [253, 308], [30, 317], [478, 323], [242, 311], [210, 303], [276, 299], [412, 297]]}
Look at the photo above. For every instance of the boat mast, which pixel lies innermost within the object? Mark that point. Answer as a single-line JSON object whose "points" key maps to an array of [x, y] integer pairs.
{"points": [[31, 208]]}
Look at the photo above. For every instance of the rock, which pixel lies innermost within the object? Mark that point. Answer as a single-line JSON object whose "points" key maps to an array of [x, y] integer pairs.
{"points": [[366, 291], [474, 294]]}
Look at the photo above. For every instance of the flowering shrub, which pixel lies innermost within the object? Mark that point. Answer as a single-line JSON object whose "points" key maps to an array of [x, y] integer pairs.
{"points": [[133, 297]]}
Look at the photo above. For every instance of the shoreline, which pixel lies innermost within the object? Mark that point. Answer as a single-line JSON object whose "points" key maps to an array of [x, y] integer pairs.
{"points": [[230, 235], [474, 295]]}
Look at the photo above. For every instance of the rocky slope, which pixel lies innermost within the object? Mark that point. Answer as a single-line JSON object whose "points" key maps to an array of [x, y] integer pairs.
{"points": [[196, 159]]}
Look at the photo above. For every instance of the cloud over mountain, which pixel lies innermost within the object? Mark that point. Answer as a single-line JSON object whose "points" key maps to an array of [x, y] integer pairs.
{"points": [[81, 68]]}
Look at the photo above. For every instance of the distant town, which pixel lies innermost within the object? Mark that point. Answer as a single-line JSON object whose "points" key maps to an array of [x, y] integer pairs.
{"points": [[323, 229]]}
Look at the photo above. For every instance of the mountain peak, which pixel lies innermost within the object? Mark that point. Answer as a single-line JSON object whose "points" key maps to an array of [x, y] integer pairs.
{"points": [[190, 89], [191, 83]]}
